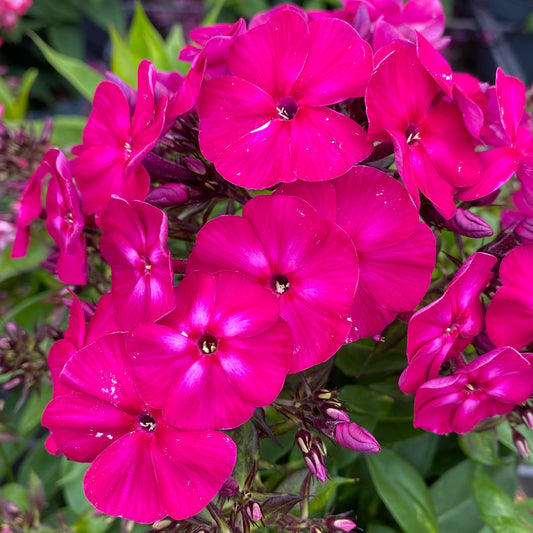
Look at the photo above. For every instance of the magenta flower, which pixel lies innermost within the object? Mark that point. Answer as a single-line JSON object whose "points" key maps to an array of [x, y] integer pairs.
{"points": [[393, 20], [30, 208], [443, 329], [434, 150], [213, 44], [515, 155], [307, 262], [109, 160], [64, 220], [396, 251], [220, 354], [77, 335], [134, 244], [510, 313], [143, 469], [269, 122], [491, 385]]}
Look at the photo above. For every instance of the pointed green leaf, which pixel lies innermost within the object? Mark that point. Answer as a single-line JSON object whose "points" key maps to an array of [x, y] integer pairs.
{"points": [[403, 491], [83, 78], [490, 498], [481, 447], [145, 41], [124, 62], [454, 501], [19, 106]]}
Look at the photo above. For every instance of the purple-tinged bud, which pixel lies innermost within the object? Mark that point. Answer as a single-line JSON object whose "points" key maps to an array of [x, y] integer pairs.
{"points": [[340, 523], [466, 223], [253, 510], [337, 414], [230, 487], [168, 195], [304, 440], [526, 414], [315, 463], [195, 165], [351, 436], [522, 446]]}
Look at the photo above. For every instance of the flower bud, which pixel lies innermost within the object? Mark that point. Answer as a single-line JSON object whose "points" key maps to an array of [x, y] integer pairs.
{"points": [[168, 195], [230, 487], [195, 165], [351, 436], [522, 446], [466, 223], [316, 465], [340, 523], [253, 510]]}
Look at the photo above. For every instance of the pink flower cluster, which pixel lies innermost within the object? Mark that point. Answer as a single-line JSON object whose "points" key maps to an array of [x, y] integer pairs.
{"points": [[11, 10], [316, 105]]}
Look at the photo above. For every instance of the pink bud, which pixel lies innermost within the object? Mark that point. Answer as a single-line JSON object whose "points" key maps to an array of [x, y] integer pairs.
{"points": [[464, 222], [230, 487], [315, 463], [340, 524], [522, 446], [168, 195], [351, 436]]}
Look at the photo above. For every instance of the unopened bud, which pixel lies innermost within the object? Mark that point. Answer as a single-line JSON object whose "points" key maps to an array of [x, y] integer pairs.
{"points": [[351, 436], [168, 195], [526, 414], [230, 487], [340, 524], [304, 440], [466, 223], [315, 463], [253, 510], [337, 414], [195, 165], [522, 446]]}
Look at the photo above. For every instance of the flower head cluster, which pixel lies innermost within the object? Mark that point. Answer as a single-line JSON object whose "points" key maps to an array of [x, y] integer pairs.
{"points": [[211, 294]]}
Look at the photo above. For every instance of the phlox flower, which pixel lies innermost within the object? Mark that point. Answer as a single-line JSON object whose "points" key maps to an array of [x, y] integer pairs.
{"points": [[515, 154], [269, 122], [510, 312], [435, 153], [308, 263], [64, 220], [443, 329], [142, 468], [77, 335], [213, 44], [222, 352], [134, 244], [393, 20], [396, 251], [110, 159], [493, 384]]}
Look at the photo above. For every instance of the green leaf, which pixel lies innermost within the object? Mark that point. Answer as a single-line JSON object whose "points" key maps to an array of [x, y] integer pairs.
{"points": [[419, 451], [145, 41], [481, 447], [246, 439], [19, 107], [403, 491], [124, 62], [506, 524], [490, 498], [83, 78], [325, 493], [66, 39], [365, 404], [72, 484], [454, 501]]}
